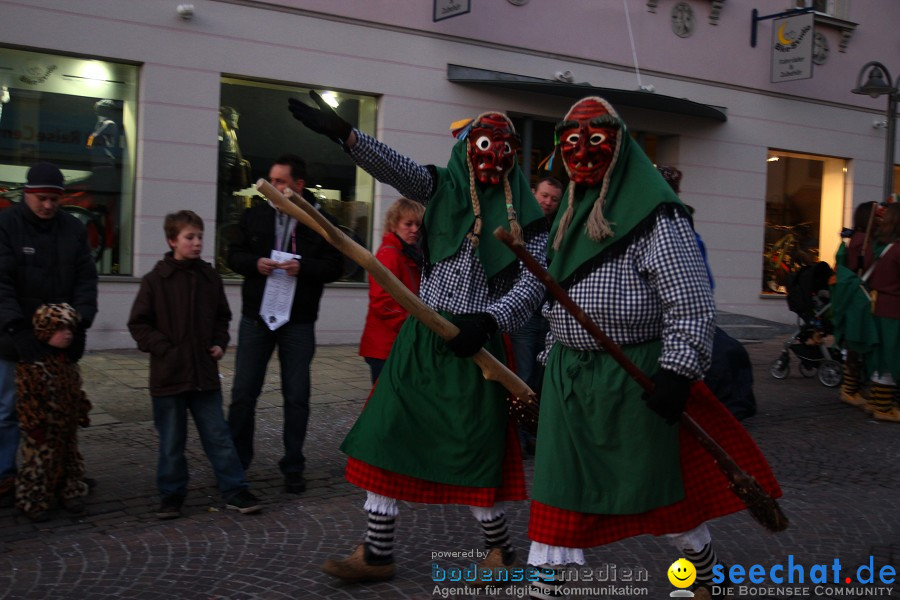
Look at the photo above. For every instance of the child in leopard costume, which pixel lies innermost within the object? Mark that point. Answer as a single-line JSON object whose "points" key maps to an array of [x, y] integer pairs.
{"points": [[51, 405]]}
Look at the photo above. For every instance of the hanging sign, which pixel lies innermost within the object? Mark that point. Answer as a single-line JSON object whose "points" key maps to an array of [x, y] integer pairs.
{"points": [[792, 48], [444, 9]]}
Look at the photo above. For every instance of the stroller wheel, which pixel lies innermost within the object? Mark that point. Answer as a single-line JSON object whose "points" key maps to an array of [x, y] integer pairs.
{"points": [[808, 369], [830, 373], [780, 368]]}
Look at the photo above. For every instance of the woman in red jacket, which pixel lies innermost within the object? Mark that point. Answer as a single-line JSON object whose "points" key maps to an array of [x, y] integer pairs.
{"points": [[400, 253]]}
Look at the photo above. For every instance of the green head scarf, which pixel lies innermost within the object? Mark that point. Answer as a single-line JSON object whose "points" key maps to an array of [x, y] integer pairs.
{"points": [[449, 215], [632, 190]]}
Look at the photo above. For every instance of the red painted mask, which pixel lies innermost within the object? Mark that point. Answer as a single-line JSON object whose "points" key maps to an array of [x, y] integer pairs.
{"points": [[587, 138], [492, 148]]}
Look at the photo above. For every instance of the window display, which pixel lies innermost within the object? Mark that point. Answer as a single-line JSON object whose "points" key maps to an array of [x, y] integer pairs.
{"points": [[255, 128], [804, 214], [79, 114]]}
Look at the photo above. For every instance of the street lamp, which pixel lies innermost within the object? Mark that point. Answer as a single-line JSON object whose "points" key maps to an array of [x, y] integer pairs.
{"points": [[878, 83]]}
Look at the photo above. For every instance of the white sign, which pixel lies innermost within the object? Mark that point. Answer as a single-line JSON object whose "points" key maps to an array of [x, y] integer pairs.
{"points": [[278, 296], [792, 47], [444, 9]]}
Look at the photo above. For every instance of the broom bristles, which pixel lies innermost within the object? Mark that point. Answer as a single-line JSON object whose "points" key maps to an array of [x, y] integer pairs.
{"points": [[762, 507]]}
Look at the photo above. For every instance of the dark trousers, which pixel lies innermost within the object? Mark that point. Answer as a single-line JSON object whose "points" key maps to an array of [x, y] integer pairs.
{"points": [[296, 346]]}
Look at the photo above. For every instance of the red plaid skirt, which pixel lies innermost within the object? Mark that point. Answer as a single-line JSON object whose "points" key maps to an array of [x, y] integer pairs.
{"points": [[411, 489], [707, 494]]}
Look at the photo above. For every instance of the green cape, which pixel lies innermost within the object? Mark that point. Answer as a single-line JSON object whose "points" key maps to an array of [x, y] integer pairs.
{"points": [[449, 215], [635, 191]]}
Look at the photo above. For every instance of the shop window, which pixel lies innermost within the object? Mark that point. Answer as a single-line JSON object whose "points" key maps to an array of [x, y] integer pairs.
{"points": [[255, 128], [79, 114], [804, 214]]}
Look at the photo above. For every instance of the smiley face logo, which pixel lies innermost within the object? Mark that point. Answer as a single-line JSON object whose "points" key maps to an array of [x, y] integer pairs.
{"points": [[682, 573]]}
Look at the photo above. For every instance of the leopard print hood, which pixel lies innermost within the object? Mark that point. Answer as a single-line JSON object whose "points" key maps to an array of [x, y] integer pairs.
{"points": [[50, 317]]}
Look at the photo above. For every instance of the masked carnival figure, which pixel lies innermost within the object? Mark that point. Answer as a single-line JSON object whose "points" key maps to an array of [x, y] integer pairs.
{"points": [[434, 430], [613, 462]]}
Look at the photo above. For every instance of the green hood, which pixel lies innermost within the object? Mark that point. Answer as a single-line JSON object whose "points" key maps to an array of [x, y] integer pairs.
{"points": [[635, 191], [449, 215]]}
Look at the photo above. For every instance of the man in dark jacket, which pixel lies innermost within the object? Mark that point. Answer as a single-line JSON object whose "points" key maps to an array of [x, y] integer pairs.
{"points": [[314, 263], [44, 258]]}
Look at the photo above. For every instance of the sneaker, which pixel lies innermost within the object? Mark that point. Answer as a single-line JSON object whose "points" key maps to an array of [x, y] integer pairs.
{"points": [[170, 507], [294, 483], [355, 568], [244, 502]]}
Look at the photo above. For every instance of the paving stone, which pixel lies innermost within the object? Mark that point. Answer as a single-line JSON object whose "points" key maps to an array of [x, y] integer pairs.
{"points": [[835, 465]]}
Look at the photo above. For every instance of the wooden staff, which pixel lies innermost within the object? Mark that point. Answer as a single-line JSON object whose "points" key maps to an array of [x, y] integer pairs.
{"points": [[298, 208], [761, 505]]}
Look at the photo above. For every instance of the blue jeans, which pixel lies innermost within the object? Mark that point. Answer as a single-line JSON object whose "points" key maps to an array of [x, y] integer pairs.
{"points": [[527, 342], [170, 418], [9, 422], [296, 346]]}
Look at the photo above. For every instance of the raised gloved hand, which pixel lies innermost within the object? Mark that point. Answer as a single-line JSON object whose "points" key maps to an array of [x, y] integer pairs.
{"points": [[474, 330], [322, 120], [670, 394], [28, 347], [76, 349]]}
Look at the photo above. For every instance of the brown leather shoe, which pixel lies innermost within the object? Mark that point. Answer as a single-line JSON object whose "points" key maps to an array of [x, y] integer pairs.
{"points": [[892, 415], [354, 568], [854, 399], [497, 563]]}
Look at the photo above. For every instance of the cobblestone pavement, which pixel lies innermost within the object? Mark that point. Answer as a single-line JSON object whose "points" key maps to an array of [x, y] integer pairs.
{"points": [[835, 464]]}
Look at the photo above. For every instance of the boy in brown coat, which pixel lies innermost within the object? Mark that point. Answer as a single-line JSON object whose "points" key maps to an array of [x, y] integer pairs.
{"points": [[181, 316]]}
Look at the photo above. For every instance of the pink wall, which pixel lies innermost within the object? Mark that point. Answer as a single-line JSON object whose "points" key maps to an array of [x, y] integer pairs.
{"points": [[592, 30]]}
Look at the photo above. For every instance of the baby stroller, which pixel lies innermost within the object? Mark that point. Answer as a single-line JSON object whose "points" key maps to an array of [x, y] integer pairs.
{"points": [[808, 296]]}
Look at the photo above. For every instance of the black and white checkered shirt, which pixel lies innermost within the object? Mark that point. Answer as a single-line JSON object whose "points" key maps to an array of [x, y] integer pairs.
{"points": [[458, 284], [657, 288]]}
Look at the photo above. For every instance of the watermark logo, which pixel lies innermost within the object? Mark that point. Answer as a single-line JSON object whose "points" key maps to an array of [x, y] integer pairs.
{"points": [[796, 579], [682, 574], [606, 581]]}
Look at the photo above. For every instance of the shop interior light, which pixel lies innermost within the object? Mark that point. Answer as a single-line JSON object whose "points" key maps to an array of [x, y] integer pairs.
{"points": [[330, 98], [93, 70]]}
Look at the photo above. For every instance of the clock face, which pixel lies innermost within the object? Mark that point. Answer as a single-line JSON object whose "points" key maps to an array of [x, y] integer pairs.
{"points": [[683, 19], [820, 48]]}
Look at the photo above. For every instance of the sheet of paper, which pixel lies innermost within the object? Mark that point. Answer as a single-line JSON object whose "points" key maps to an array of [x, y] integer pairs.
{"points": [[278, 297]]}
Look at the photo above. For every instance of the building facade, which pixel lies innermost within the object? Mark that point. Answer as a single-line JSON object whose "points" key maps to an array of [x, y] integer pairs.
{"points": [[155, 106]]}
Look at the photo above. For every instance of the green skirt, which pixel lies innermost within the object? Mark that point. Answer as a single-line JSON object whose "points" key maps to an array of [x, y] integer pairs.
{"points": [[432, 415], [854, 326], [600, 449], [886, 357]]}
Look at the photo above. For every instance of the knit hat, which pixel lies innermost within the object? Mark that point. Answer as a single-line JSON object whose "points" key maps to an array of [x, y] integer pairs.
{"points": [[44, 178], [50, 317]]}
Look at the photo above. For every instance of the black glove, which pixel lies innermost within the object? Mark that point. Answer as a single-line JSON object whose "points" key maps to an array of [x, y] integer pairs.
{"points": [[474, 330], [28, 347], [322, 120], [670, 394], [76, 349]]}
